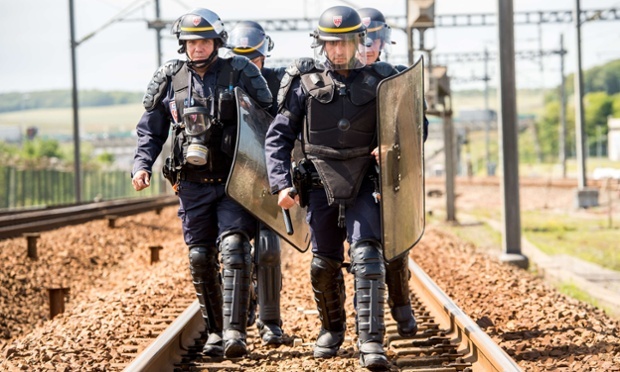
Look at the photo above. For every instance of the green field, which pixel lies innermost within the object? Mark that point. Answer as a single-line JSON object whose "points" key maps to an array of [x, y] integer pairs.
{"points": [[59, 122], [123, 118]]}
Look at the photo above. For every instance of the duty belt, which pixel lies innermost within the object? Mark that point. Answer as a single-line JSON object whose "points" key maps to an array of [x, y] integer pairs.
{"points": [[200, 178]]}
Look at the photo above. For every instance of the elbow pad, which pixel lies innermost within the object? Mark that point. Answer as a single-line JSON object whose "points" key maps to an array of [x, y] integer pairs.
{"points": [[158, 84]]}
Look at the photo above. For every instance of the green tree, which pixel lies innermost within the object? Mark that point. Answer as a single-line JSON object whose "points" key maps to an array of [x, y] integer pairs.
{"points": [[615, 103], [40, 148], [549, 129], [598, 107], [106, 158]]}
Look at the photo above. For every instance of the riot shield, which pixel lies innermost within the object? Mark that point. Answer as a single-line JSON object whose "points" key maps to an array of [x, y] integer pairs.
{"points": [[248, 184], [400, 112]]}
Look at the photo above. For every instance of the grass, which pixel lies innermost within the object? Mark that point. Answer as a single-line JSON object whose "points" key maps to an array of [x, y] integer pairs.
{"points": [[586, 237], [573, 291], [93, 120]]}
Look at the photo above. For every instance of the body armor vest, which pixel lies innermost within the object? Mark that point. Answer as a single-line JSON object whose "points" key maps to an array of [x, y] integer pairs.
{"points": [[340, 130], [221, 140]]}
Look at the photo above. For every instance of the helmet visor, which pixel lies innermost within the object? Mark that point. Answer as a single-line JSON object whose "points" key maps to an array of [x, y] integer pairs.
{"points": [[249, 42], [342, 52]]}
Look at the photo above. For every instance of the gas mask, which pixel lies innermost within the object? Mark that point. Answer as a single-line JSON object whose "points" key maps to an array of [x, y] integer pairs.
{"points": [[197, 122]]}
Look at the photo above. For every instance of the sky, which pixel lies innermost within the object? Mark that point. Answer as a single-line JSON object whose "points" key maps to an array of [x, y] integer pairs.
{"points": [[35, 51]]}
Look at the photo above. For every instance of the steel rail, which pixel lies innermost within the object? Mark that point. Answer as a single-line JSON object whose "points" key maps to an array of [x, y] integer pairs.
{"points": [[15, 224], [458, 343], [23, 215], [479, 349], [166, 350]]}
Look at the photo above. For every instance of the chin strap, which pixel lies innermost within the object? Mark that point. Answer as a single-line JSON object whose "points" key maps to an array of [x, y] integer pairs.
{"points": [[200, 63]]}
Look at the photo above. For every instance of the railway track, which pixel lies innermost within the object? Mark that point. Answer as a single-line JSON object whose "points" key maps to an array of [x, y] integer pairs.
{"points": [[447, 339], [16, 223]]}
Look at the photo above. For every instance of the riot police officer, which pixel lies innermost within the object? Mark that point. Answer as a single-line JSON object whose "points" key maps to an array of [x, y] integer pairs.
{"points": [[380, 35], [332, 108], [192, 99], [248, 38], [396, 272]]}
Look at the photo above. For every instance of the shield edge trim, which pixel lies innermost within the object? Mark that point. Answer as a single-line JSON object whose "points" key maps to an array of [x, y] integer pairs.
{"points": [[406, 251], [236, 89]]}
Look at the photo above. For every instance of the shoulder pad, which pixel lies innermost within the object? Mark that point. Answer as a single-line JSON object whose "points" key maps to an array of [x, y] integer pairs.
{"points": [[239, 62], [384, 69], [157, 86], [305, 64], [400, 68], [257, 82], [299, 67]]}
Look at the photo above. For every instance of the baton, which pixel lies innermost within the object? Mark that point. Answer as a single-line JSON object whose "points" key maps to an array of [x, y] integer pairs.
{"points": [[287, 215]]}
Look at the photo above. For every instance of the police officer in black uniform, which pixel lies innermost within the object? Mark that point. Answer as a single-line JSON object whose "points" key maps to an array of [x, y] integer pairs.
{"points": [[380, 34], [396, 272], [248, 39], [193, 100], [332, 109]]}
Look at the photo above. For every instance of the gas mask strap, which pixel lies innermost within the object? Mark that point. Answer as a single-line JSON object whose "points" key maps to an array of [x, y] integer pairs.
{"points": [[190, 90]]}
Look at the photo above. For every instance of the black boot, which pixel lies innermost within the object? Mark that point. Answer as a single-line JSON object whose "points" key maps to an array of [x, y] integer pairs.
{"points": [[397, 279], [328, 287], [237, 263], [205, 270], [269, 280], [368, 268]]}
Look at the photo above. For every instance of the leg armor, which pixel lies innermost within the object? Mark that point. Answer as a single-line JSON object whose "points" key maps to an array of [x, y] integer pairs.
{"points": [[237, 263], [269, 277], [397, 279], [205, 270], [328, 287], [369, 270], [253, 303]]}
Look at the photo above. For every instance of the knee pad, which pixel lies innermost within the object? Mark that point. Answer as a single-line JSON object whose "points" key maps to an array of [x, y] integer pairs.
{"points": [[324, 272], [367, 260], [267, 249], [235, 248], [202, 258]]}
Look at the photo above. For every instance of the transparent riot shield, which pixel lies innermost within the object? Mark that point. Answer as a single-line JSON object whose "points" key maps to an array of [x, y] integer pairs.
{"points": [[400, 110], [248, 184]]}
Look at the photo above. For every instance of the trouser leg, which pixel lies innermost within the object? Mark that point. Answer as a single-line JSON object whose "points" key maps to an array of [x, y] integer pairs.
{"points": [[237, 262], [269, 280], [369, 270], [328, 287], [397, 279], [205, 271]]}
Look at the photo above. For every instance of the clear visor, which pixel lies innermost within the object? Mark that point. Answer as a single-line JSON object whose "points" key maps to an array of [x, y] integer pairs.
{"points": [[344, 52], [196, 120], [379, 41]]}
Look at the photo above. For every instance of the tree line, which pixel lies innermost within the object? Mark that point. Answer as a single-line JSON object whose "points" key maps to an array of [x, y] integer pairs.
{"points": [[601, 101], [19, 101]]}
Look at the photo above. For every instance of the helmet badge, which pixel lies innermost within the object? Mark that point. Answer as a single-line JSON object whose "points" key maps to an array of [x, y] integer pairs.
{"points": [[196, 20], [366, 21], [244, 42], [337, 20]]}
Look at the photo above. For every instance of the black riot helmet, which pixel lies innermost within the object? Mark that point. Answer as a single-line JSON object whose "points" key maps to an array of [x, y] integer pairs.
{"points": [[248, 39], [340, 25], [198, 24], [376, 27]]}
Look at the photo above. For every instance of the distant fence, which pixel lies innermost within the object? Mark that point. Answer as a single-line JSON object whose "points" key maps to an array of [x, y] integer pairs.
{"points": [[23, 188]]}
